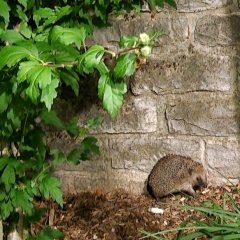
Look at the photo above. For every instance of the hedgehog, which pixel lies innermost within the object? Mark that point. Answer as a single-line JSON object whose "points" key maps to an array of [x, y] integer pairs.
{"points": [[175, 173]]}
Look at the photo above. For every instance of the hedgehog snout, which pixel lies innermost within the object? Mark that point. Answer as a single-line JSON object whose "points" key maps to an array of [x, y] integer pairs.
{"points": [[201, 182]]}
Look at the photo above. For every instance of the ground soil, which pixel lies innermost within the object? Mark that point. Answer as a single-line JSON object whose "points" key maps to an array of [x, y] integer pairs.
{"points": [[123, 216]]}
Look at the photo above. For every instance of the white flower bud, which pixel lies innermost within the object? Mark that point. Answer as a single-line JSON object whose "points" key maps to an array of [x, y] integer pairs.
{"points": [[145, 39], [146, 51]]}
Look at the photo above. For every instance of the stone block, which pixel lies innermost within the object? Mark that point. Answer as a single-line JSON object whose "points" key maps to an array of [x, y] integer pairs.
{"points": [[238, 74], [88, 175], [174, 27], [223, 159], [215, 30], [203, 114], [78, 181], [95, 164], [185, 73], [137, 115], [142, 152], [199, 5], [129, 180]]}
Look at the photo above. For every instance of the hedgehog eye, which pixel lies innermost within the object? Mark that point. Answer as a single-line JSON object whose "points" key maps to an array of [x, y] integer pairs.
{"points": [[200, 182]]}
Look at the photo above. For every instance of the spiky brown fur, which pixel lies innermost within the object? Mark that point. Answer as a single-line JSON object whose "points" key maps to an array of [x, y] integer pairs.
{"points": [[175, 173]]}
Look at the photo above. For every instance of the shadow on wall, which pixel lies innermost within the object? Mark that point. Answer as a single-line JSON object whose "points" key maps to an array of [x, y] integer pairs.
{"points": [[68, 105], [185, 101]]}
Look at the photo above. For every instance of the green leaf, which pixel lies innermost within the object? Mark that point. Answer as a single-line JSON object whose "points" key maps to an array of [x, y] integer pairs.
{"points": [[6, 209], [58, 157], [35, 73], [36, 141], [14, 117], [23, 3], [25, 30], [51, 187], [49, 93], [128, 41], [44, 13], [152, 4], [23, 200], [65, 54], [21, 14], [71, 79], [102, 68], [113, 97], [74, 156], [192, 236], [4, 11], [10, 55], [100, 12], [89, 146], [48, 16], [82, 131], [94, 122], [93, 56], [160, 3], [36, 216], [73, 128], [2, 196], [49, 234], [102, 84], [172, 3], [51, 118], [63, 11], [5, 99], [39, 76], [3, 162], [68, 36], [91, 59], [125, 65], [8, 177], [33, 92], [11, 36]]}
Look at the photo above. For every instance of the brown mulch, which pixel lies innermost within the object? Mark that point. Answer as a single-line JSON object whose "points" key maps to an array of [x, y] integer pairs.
{"points": [[122, 216]]}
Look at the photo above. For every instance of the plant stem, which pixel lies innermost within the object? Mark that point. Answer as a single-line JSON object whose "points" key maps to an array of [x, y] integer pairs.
{"points": [[127, 50], [23, 132], [1, 230], [20, 223]]}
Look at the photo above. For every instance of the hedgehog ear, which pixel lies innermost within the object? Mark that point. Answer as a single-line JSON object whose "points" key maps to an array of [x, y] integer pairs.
{"points": [[190, 170]]}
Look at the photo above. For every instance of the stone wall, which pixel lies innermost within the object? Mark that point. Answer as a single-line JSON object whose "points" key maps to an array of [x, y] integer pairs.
{"points": [[185, 100]]}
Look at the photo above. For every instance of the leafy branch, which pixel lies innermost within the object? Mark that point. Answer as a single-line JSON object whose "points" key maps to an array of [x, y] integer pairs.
{"points": [[42, 48]]}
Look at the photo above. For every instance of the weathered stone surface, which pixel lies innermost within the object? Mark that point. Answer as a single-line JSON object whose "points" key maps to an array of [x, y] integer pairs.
{"points": [[87, 175], [203, 114], [238, 75], [137, 115], [214, 30], [130, 180], [174, 26], [185, 73], [142, 152], [223, 159], [78, 181], [194, 110], [199, 5]]}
